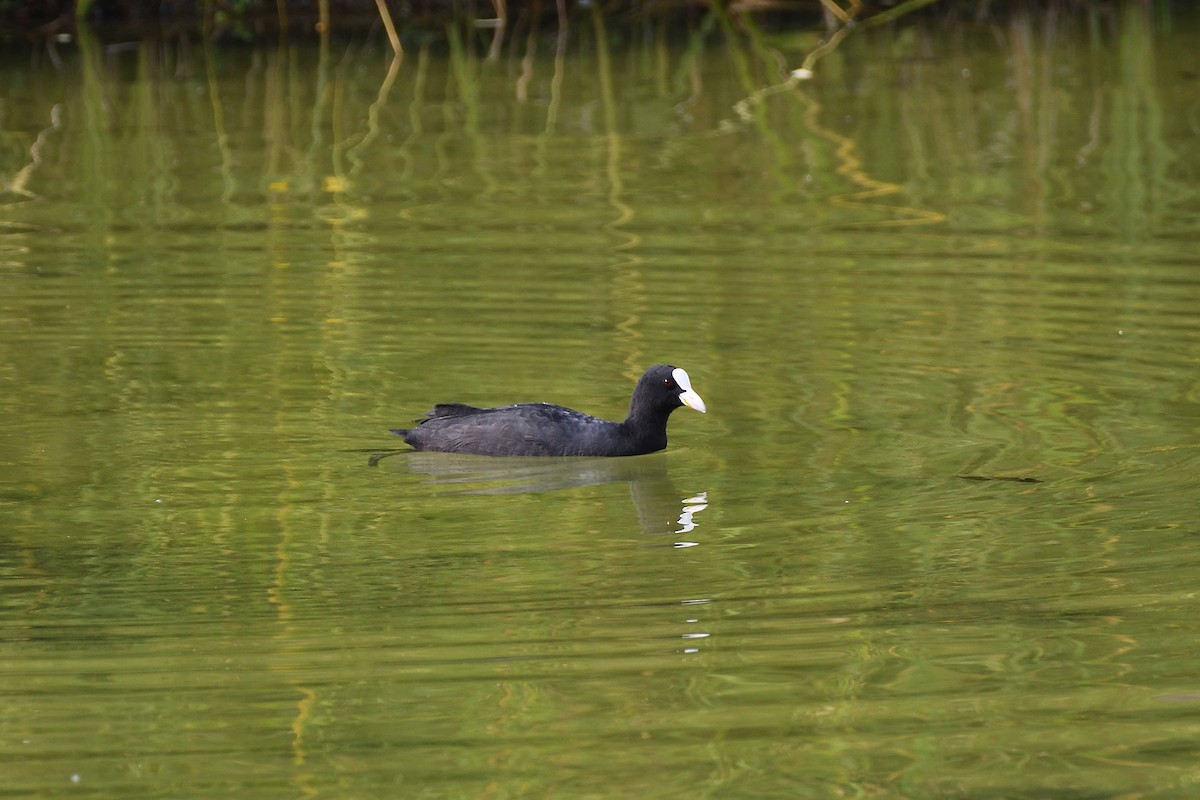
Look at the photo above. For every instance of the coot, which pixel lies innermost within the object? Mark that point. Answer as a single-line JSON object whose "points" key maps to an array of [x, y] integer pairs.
{"points": [[542, 429]]}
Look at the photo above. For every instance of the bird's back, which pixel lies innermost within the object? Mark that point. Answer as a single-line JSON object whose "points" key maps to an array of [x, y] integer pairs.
{"points": [[524, 429]]}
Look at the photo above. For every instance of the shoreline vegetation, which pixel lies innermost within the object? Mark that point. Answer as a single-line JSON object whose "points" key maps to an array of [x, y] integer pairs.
{"points": [[493, 27], [406, 22]]}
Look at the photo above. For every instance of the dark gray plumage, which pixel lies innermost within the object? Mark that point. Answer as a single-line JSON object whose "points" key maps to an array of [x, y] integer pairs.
{"points": [[543, 429]]}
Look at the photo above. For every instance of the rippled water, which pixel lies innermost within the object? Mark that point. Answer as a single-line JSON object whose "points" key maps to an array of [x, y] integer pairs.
{"points": [[934, 538]]}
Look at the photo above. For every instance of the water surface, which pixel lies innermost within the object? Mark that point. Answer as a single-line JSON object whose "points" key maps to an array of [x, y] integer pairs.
{"points": [[935, 537]]}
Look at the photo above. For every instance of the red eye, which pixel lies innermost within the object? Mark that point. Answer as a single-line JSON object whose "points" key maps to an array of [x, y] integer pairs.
{"points": [[667, 382]]}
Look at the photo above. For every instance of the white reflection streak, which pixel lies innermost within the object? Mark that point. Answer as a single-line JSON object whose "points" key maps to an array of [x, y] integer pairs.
{"points": [[691, 506], [693, 621]]}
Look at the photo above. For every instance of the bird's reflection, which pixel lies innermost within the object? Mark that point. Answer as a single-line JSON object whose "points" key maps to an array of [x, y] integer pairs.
{"points": [[661, 507]]}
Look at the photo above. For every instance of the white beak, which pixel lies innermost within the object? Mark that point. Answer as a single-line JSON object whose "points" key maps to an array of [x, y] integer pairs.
{"points": [[688, 397]]}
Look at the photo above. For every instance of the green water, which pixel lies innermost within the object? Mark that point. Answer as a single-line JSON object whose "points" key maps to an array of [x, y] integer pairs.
{"points": [[936, 536]]}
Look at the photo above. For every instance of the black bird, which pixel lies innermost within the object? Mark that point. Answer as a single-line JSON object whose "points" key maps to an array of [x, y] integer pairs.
{"points": [[543, 429]]}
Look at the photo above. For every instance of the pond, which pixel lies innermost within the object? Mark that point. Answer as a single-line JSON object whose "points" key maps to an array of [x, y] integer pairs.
{"points": [[935, 537]]}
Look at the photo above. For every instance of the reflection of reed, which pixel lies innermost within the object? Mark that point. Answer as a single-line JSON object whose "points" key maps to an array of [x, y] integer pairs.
{"points": [[556, 81], [416, 129], [467, 84], [19, 183], [1125, 167], [627, 281], [751, 111], [851, 167], [1139, 161], [96, 127], [218, 122], [526, 74], [354, 153]]}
